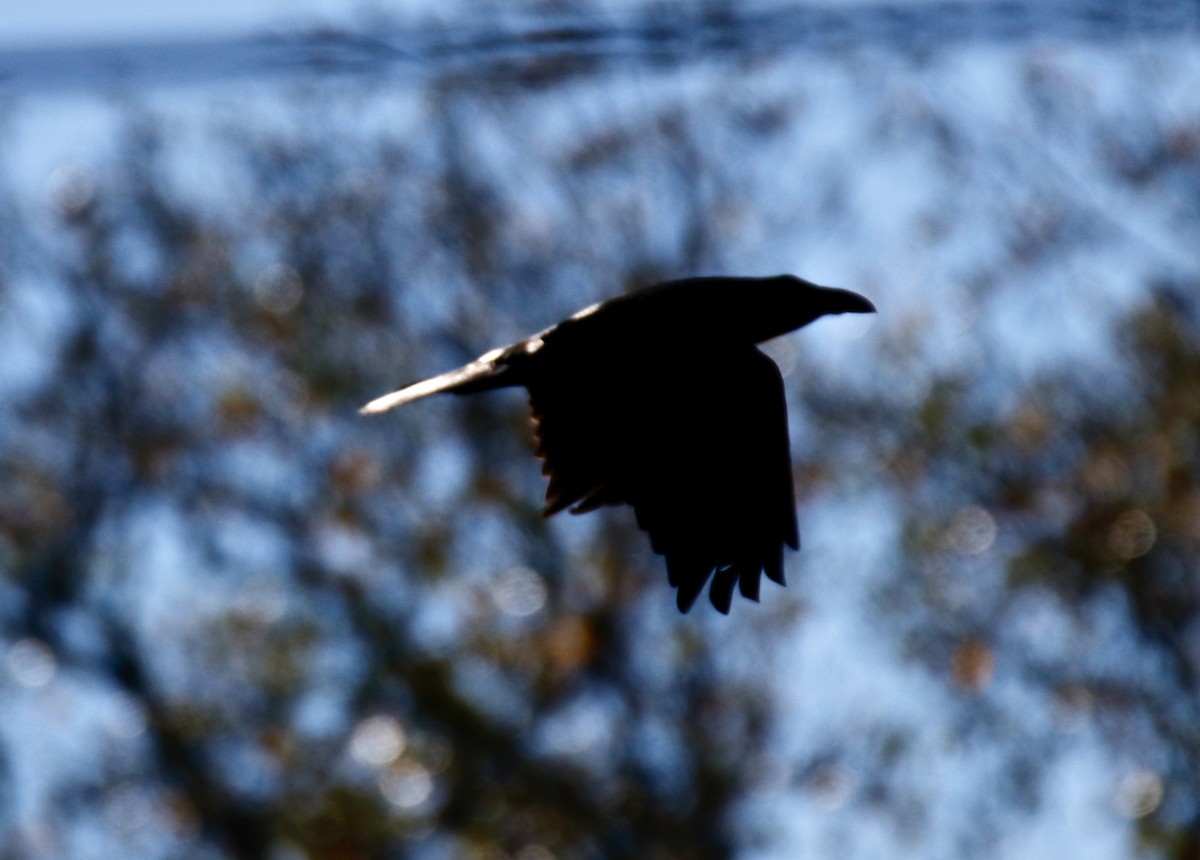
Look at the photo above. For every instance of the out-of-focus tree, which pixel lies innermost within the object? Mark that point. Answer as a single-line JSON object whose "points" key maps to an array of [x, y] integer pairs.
{"points": [[393, 651], [1080, 496], [277, 629]]}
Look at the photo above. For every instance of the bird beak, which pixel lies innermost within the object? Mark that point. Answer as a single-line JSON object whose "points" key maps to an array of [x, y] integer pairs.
{"points": [[845, 302]]}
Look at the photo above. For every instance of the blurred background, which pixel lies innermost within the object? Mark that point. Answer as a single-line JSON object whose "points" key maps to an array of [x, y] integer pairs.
{"points": [[240, 621]]}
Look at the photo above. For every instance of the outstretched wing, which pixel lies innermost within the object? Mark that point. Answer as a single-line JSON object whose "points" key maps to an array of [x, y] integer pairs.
{"points": [[698, 445], [498, 368]]}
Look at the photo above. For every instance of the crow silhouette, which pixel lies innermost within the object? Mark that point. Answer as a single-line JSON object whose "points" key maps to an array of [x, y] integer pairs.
{"points": [[661, 400]]}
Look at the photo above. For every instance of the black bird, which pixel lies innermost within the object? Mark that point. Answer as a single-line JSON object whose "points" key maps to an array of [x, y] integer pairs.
{"points": [[660, 399]]}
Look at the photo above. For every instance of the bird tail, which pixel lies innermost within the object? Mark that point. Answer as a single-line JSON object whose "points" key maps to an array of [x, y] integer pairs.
{"points": [[482, 374]]}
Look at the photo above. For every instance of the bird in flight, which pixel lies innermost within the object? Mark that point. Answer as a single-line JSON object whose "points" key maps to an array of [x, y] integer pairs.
{"points": [[660, 399]]}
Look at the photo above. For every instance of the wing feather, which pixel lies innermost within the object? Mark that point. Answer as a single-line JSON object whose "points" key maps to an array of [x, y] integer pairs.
{"points": [[698, 445]]}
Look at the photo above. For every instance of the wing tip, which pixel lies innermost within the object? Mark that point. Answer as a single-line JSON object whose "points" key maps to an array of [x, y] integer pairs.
{"points": [[690, 581], [749, 584], [392, 399], [720, 593], [371, 408]]}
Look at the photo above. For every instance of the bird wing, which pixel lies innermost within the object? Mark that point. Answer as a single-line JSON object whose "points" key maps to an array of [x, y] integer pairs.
{"points": [[498, 368], [697, 444], [582, 443], [448, 381]]}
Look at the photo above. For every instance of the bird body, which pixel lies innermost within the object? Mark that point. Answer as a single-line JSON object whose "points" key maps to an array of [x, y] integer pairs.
{"points": [[660, 399]]}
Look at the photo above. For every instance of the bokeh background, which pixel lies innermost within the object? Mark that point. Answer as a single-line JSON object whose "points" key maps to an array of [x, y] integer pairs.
{"points": [[240, 621]]}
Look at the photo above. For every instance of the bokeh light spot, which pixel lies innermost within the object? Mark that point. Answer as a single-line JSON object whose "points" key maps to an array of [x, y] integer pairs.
{"points": [[406, 786], [1132, 535], [1105, 474], [342, 548], [31, 663], [519, 591], [972, 531], [831, 786], [377, 741], [72, 190], [279, 289], [1138, 793]]}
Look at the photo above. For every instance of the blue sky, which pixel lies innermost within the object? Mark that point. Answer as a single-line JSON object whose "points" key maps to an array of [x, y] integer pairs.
{"points": [[71, 21]]}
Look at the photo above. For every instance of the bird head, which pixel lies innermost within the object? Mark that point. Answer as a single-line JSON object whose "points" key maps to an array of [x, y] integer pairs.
{"points": [[790, 302], [760, 309]]}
